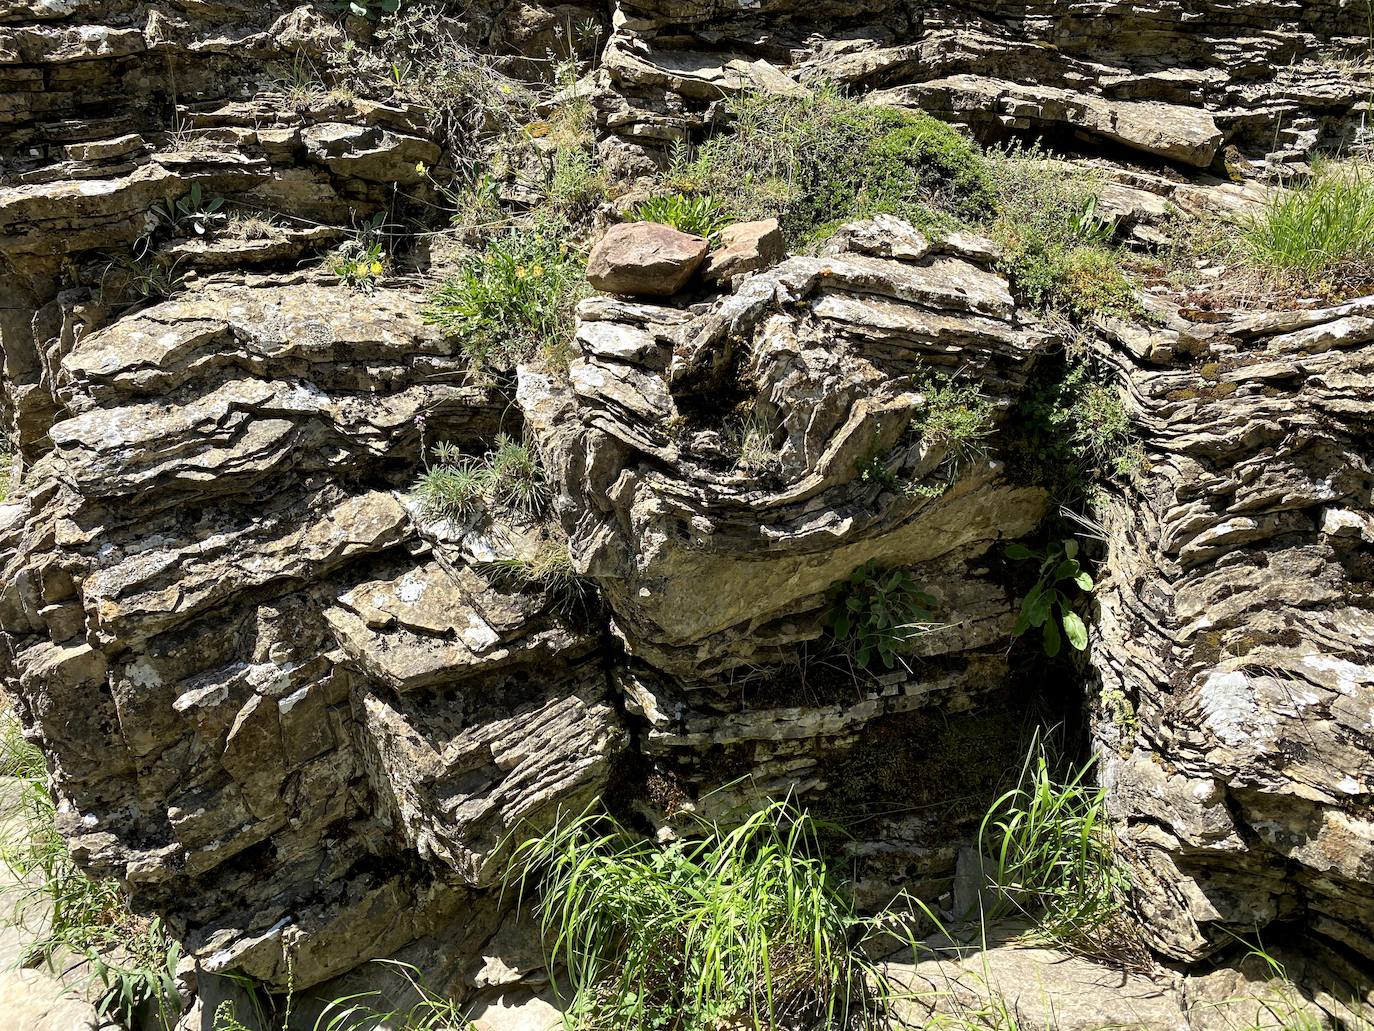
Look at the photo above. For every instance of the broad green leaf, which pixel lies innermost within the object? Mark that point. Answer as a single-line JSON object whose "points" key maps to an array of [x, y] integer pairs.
{"points": [[1071, 548], [1084, 581], [1066, 569], [1051, 640], [1075, 631], [1019, 552]]}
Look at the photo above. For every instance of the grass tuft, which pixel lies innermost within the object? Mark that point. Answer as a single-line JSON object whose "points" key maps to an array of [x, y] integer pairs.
{"points": [[1318, 234], [742, 927], [131, 957]]}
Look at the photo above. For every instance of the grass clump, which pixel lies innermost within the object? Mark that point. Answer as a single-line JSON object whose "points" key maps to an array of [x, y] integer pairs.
{"points": [[131, 957], [1318, 234], [514, 301], [1056, 245], [1052, 859], [742, 927], [816, 160], [957, 417], [509, 477]]}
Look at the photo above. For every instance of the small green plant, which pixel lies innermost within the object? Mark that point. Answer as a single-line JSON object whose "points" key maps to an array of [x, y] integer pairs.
{"points": [[132, 957], [1056, 244], [194, 209], [576, 183], [550, 570], [1320, 233], [742, 927], [1055, 599], [1074, 432], [360, 262], [700, 216], [816, 160], [142, 275], [956, 416], [1052, 855], [880, 612], [458, 487], [514, 301], [369, 1009]]}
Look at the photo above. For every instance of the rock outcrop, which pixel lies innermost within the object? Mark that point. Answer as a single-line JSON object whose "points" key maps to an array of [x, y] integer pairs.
{"points": [[1236, 650], [305, 719]]}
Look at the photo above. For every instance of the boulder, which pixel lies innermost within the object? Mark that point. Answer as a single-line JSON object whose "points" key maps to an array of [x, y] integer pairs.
{"points": [[746, 247], [645, 259]]}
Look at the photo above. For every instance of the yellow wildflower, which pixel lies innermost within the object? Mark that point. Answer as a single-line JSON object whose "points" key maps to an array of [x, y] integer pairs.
{"points": [[520, 272], [420, 167], [537, 272], [375, 268]]}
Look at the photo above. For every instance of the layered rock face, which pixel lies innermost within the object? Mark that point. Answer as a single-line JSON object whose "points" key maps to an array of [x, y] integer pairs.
{"points": [[1237, 643], [303, 720], [1177, 81]]}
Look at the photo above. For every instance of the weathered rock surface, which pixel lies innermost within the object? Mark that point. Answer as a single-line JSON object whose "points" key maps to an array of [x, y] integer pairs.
{"points": [[645, 259], [745, 247], [1171, 81], [1236, 634]]}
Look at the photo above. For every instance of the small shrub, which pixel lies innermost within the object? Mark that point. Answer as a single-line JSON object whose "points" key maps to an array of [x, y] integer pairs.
{"points": [[361, 262], [551, 570], [512, 302], [576, 182], [878, 613], [700, 216], [818, 160], [1052, 856], [744, 927], [1318, 234], [1055, 598], [516, 477]]}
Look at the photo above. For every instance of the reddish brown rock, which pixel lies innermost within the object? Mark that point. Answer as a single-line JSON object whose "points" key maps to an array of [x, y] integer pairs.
{"points": [[746, 247], [645, 258]]}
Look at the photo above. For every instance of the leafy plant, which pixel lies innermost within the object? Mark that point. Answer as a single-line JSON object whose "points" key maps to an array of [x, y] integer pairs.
{"points": [[514, 301], [142, 275], [1052, 856], [1319, 233], [132, 957], [1055, 598], [550, 570], [735, 927], [193, 208], [878, 613], [360, 261], [700, 215]]}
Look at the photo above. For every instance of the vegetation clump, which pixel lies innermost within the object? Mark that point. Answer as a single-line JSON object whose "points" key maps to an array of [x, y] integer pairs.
{"points": [[743, 927], [1073, 434], [1318, 234], [879, 613], [514, 301], [819, 159], [1056, 245], [1053, 861], [957, 417], [699, 215], [510, 476]]}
